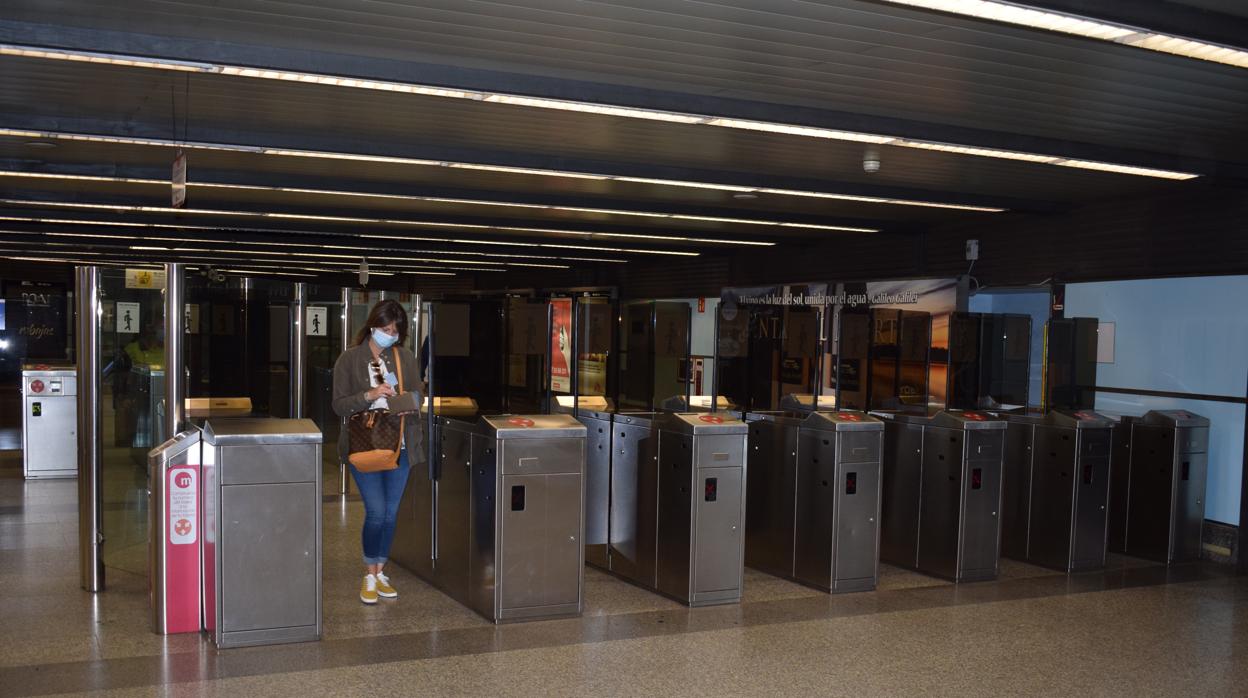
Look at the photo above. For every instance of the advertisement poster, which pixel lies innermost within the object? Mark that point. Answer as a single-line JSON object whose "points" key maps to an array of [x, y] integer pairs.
{"points": [[561, 345], [34, 315]]}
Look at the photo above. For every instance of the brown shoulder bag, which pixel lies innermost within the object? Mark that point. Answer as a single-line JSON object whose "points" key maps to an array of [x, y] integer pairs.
{"points": [[376, 435]]}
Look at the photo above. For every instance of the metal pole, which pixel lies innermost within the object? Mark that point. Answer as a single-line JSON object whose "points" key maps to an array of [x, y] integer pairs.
{"points": [[344, 482], [715, 365], [298, 349], [575, 368], [90, 446], [175, 333]]}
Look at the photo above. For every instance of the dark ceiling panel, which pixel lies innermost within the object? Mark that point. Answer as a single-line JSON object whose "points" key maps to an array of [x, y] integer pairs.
{"points": [[863, 57]]}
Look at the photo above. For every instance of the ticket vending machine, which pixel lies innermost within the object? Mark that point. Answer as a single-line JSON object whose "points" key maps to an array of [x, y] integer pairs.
{"points": [[49, 421]]}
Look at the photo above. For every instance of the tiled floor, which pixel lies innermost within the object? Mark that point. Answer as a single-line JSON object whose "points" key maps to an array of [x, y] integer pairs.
{"points": [[1135, 629]]}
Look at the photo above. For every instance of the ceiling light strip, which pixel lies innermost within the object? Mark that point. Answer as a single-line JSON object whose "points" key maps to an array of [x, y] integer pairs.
{"points": [[124, 208], [1141, 39], [202, 145], [432, 199], [1062, 23]]}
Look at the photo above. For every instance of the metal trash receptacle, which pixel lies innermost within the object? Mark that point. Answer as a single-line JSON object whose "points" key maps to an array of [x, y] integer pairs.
{"points": [[942, 493], [1166, 489], [49, 421], [1055, 489], [701, 507], [175, 534], [262, 531]]}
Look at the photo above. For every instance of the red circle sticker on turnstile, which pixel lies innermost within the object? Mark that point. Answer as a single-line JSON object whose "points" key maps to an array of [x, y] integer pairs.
{"points": [[975, 416], [42, 367], [36, 386], [520, 422], [711, 419], [849, 417]]}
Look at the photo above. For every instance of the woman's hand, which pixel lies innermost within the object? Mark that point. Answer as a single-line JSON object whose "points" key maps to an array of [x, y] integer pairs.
{"points": [[383, 390]]}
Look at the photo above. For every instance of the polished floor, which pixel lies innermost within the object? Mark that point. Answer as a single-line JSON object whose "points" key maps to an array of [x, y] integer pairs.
{"points": [[1134, 630]]}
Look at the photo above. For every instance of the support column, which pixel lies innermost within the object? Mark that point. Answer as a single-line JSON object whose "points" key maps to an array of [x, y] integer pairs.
{"points": [[298, 349], [175, 337], [90, 445]]}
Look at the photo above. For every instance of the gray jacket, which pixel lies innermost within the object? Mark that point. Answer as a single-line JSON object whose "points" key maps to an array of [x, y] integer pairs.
{"points": [[351, 382]]}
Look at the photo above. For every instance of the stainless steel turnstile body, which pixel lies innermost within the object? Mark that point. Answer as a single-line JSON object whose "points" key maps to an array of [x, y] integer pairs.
{"points": [[49, 421], [1056, 489], [598, 431], [701, 508], [499, 524], [942, 493], [813, 498], [1158, 502], [262, 531]]}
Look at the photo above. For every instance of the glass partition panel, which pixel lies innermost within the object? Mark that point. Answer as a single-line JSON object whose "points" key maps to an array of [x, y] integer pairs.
{"points": [[132, 391], [535, 329], [238, 342], [636, 356], [595, 351], [324, 328]]}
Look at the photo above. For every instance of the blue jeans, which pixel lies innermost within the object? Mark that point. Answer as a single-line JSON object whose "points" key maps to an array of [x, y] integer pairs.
{"points": [[381, 492]]}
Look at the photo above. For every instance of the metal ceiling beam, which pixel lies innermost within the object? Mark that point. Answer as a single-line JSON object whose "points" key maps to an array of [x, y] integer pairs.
{"points": [[51, 35]]}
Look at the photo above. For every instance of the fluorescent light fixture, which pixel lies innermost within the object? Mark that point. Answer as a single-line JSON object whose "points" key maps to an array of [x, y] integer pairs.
{"points": [[1009, 13], [384, 221], [278, 231], [433, 199]]}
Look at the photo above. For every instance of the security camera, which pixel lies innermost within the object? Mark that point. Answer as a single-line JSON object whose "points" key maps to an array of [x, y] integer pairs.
{"points": [[871, 160]]}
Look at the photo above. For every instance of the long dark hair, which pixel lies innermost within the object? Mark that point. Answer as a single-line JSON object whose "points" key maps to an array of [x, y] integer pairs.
{"points": [[382, 314]]}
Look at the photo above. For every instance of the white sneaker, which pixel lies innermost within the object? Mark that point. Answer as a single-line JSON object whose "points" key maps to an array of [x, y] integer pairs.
{"points": [[384, 589], [368, 590]]}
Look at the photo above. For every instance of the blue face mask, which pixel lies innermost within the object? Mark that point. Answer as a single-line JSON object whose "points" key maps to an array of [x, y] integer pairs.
{"points": [[384, 340]]}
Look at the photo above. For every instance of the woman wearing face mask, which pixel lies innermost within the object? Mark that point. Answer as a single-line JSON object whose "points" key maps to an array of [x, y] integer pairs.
{"points": [[364, 376]]}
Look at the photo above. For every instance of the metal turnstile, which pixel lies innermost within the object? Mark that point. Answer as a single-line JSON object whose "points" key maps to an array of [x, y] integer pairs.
{"points": [[262, 531], [596, 417], [175, 534], [1055, 489], [813, 498], [942, 493], [1159, 502], [499, 524], [701, 508], [49, 421]]}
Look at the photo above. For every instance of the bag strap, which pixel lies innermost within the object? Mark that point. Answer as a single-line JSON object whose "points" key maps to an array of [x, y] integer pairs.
{"points": [[398, 369]]}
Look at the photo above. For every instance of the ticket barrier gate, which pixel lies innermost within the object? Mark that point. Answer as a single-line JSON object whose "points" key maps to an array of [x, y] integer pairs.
{"points": [[813, 498], [235, 544], [1157, 502], [498, 525], [1055, 489], [677, 504], [597, 414], [942, 493]]}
